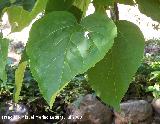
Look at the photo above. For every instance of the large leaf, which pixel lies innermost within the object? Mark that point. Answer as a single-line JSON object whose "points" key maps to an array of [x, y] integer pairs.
{"points": [[111, 77], [150, 8], [26, 4], [19, 74], [3, 57], [20, 18], [59, 48]]}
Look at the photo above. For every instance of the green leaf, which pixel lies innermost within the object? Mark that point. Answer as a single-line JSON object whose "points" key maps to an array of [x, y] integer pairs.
{"points": [[150, 8], [111, 77], [58, 5], [76, 12], [102, 5], [3, 57], [28, 4], [19, 75], [59, 48], [82, 5], [63, 5], [76, 7], [20, 18]]}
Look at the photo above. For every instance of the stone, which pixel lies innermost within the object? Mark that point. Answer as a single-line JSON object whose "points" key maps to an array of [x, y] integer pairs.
{"points": [[156, 120], [90, 111], [135, 112], [156, 106]]}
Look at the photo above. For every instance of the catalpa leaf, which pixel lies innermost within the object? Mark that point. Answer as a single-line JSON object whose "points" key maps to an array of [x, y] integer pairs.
{"points": [[59, 48], [76, 7], [3, 57], [63, 5], [28, 4], [20, 18], [111, 77], [150, 8]]}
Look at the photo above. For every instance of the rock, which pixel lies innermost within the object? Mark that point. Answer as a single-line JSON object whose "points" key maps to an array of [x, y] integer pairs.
{"points": [[156, 106], [90, 111], [135, 112], [156, 120], [14, 113]]}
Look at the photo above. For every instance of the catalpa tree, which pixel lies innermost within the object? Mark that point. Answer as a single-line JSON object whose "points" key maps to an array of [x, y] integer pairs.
{"points": [[65, 42]]}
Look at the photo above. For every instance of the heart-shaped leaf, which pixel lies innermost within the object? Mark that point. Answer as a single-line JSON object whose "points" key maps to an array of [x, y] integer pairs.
{"points": [[59, 48], [111, 77]]}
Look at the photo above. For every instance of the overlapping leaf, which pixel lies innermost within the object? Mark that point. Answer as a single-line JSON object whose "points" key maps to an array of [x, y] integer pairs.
{"points": [[20, 18], [150, 8], [3, 57], [82, 5], [58, 5], [63, 5], [26, 4], [76, 7], [111, 77], [59, 48]]}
